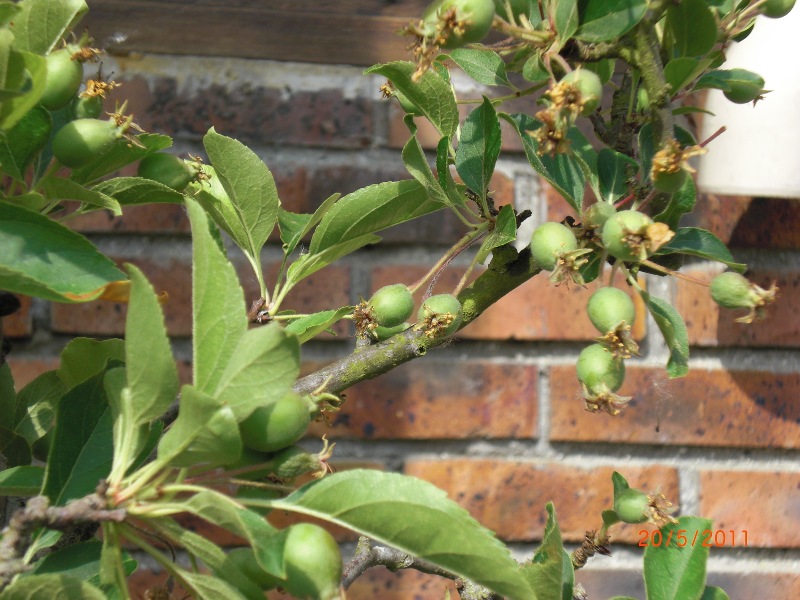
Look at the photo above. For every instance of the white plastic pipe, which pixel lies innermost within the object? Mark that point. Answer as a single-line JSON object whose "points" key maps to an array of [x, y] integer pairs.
{"points": [[759, 154]]}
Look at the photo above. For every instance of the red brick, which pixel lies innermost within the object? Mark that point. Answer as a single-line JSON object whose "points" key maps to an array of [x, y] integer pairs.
{"points": [[250, 113], [537, 310], [25, 369], [170, 275], [19, 324], [709, 325], [414, 401], [509, 497], [705, 408], [764, 504], [321, 291], [745, 222]]}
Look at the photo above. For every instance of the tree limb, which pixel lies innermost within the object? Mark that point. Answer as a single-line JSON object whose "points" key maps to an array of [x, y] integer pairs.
{"points": [[17, 536], [507, 271], [368, 556]]}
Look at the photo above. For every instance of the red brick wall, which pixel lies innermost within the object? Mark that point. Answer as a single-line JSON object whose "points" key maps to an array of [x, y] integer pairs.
{"points": [[495, 418]]}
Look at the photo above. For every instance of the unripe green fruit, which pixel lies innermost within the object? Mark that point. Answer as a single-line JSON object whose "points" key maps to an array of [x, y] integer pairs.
{"points": [[167, 169], [616, 229], [313, 563], [608, 307], [87, 108], [599, 370], [276, 426], [631, 506], [384, 333], [742, 92], [590, 87], [669, 183], [63, 78], [284, 464], [391, 305], [474, 16], [731, 290], [549, 241], [597, 214], [439, 305], [245, 560], [81, 141], [775, 9]]}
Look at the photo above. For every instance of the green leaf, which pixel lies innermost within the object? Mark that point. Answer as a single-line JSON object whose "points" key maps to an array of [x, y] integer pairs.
{"points": [[610, 517], [673, 329], [431, 93], [82, 447], [370, 210], [691, 28], [534, 70], [52, 587], [504, 232], [680, 203], [207, 587], [58, 188], [120, 155], [727, 79], [550, 571], [310, 326], [34, 69], [699, 242], [308, 264], [14, 448], [417, 165], [43, 258], [38, 401], [10, 409], [21, 481], [8, 10], [606, 20], [714, 593], [478, 148], [680, 72], [41, 24], [612, 170], [294, 227], [23, 142], [251, 188], [81, 560], [562, 171], [129, 191], [484, 66], [151, 372], [565, 18], [224, 511], [673, 571], [262, 369], [205, 431], [219, 318], [383, 505], [82, 358], [603, 68]]}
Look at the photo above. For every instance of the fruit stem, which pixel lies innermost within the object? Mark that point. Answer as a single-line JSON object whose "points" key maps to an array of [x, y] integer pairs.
{"points": [[448, 256], [713, 136], [666, 271]]}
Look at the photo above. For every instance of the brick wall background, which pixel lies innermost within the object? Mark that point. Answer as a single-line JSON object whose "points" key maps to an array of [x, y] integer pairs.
{"points": [[496, 417]]}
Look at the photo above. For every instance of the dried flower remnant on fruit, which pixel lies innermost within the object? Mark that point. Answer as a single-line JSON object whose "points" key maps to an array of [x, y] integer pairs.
{"points": [[672, 159], [659, 509], [364, 320], [98, 88], [551, 138], [732, 290], [619, 342], [568, 268], [604, 401]]}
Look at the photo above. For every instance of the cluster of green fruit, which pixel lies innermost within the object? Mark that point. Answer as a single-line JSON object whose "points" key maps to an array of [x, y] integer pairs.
{"points": [[311, 558], [386, 312]]}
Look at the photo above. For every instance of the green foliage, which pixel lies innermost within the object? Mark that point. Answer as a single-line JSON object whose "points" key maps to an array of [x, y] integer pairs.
{"points": [[112, 419]]}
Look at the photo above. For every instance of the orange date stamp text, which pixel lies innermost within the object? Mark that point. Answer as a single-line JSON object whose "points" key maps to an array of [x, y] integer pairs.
{"points": [[707, 538]]}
